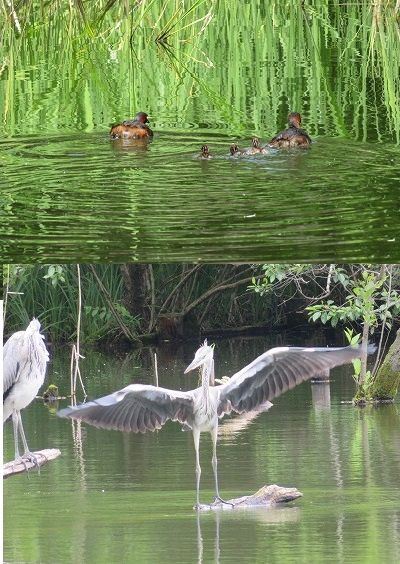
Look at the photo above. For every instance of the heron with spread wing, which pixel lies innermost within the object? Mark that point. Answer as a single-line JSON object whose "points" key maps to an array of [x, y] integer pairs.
{"points": [[141, 408], [24, 367]]}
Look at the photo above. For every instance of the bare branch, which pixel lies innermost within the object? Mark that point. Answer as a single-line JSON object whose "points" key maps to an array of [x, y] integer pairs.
{"points": [[178, 287], [218, 289]]}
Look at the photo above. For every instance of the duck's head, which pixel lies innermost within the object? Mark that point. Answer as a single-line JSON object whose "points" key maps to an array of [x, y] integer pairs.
{"points": [[294, 119], [233, 149], [142, 117]]}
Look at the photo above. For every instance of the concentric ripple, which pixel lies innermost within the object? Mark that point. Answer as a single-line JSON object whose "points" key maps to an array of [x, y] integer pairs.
{"points": [[85, 198]]}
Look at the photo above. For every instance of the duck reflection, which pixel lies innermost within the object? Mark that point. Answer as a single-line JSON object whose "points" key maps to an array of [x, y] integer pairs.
{"points": [[126, 146]]}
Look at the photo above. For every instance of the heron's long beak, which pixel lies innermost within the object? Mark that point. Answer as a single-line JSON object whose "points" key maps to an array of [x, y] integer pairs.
{"points": [[194, 364]]}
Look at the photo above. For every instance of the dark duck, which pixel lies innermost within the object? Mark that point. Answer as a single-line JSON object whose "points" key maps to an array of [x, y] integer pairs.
{"points": [[293, 136], [136, 128]]}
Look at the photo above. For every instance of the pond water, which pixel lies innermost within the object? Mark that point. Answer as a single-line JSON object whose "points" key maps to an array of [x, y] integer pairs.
{"points": [[114, 497], [226, 73], [150, 202]]}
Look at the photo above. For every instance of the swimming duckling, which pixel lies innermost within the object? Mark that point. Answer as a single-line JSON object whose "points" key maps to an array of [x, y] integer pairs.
{"points": [[205, 153]]}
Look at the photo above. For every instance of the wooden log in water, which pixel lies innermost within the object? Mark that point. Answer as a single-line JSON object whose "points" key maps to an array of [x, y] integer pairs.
{"points": [[267, 496], [17, 466]]}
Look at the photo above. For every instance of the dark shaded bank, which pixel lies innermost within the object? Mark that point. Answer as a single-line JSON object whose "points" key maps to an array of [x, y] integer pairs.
{"points": [[146, 302], [134, 303]]}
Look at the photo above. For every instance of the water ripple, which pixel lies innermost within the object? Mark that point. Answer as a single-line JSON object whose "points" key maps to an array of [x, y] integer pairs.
{"points": [[82, 197]]}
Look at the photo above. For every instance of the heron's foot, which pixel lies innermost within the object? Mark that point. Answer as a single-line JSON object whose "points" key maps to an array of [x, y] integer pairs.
{"points": [[201, 507], [21, 460], [218, 498], [30, 457]]}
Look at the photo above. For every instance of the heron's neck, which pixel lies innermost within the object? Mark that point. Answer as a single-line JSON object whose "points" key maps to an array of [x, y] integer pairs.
{"points": [[207, 378]]}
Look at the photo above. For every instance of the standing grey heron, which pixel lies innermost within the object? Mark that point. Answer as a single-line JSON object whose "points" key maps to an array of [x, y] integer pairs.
{"points": [[24, 366], [141, 408]]}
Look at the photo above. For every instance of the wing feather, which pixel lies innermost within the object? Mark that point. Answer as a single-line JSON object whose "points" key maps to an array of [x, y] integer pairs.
{"points": [[277, 371], [136, 408]]}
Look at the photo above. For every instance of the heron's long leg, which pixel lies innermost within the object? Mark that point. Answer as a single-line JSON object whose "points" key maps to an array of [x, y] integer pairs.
{"points": [[214, 435], [196, 440], [15, 429], [21, 430], [27, 454], [16, 419]]}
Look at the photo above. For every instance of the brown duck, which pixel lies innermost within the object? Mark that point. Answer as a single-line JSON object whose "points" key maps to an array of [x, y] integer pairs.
{"points": [[136, 128]]}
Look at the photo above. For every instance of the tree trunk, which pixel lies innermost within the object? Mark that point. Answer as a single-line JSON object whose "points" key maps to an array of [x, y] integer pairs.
{"points": [[138, 296], [387, 379]]}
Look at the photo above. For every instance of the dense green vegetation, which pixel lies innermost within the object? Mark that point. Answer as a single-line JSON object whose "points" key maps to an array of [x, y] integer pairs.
{"points": [[204, 296], [114, 57], [138, 301], [143, 298], [365, 297]]}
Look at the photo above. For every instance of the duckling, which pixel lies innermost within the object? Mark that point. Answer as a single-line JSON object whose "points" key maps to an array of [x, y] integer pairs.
{"points": [[235, 151], [205, 153], [256, 148]]}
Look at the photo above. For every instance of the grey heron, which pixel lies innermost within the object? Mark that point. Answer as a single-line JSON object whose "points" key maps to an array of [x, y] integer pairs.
{"points": [[141, 408], [24, 367]]}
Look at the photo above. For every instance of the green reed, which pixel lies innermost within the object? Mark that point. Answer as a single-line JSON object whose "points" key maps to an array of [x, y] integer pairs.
{"points": [[53, 298]]}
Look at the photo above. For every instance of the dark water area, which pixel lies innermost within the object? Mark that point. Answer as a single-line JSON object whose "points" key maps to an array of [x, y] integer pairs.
{"points": [[84, 198], [115, 497]]}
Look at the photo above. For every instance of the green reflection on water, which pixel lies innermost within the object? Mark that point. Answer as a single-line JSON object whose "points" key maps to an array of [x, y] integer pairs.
{"points": [[69, 194], [114, 497], [330, 62], [165, 205]]}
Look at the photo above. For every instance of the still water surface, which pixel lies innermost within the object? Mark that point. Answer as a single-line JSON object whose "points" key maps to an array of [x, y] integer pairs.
{"points": [[114, 497], [84, 198]]}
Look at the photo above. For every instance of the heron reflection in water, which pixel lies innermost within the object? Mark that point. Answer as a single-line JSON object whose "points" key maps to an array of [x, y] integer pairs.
{"points": [[24, 367], [141, 408]]}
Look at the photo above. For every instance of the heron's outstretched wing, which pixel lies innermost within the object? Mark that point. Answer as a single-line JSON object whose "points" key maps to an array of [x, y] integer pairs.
{"points": [[138, 408], [277, 371], [24, 353]]}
